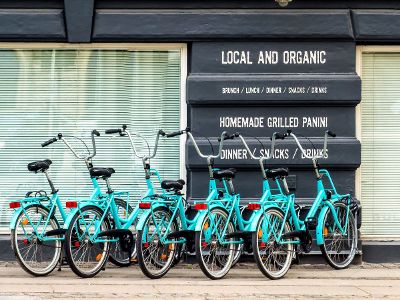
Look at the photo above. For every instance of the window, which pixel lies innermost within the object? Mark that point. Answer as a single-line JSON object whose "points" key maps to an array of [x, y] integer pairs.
{"points": [[380, 137], [72, 91]]}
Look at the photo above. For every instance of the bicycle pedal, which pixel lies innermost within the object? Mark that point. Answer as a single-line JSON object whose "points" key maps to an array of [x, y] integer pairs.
{"points": [[296, 259], [187, 234], [59, 231], [294, 234], [64, 262], [134, 261], [311, 223], [238, 234]]}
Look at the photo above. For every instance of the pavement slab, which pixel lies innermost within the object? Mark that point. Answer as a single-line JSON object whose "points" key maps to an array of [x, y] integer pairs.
{"points": [[188, 282]]}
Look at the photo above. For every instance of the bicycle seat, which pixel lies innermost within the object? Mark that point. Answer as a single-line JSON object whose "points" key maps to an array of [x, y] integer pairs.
{"points": [[173, 184], [227, 173], [40, 165], [101, 172], [273, 173]]}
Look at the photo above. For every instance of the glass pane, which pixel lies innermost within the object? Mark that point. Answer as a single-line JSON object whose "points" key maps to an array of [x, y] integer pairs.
{"points": [[45, 92], [380, 145]]}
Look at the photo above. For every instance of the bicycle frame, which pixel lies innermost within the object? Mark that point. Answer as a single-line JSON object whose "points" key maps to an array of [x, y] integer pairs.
{"points": [[55, 202], [110, 207], [268, 199], [175, 202], [52, 206]]}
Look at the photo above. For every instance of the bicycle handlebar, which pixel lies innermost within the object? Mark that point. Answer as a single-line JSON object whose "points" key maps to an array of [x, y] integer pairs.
{"points": [[176, 133], [124, 130], [221, 140], [279, 136], [60, 137], [113, 131], [95, 132], [327, 133], [50, 141], [228, 137], [330, 133], [275, 136]]}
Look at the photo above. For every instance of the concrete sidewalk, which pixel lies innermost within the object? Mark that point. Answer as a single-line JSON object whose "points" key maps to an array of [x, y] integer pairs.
{"points": [[188, 282]]}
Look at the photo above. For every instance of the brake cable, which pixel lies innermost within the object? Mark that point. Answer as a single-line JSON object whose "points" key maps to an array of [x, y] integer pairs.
{"points": [[198, 133], [75, 137], [308, 140]]}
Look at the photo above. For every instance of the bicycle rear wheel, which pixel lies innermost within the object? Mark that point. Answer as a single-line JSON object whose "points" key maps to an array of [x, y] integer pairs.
{"points": [[86, 258], [272, 258], [36, 256], [215, 259], [339, 249], [156, 258]]}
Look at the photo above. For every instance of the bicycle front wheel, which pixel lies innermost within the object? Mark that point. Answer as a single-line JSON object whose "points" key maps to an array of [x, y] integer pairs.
{"points": [[155, 257], [214, 253], [272, 258], [339, 248], [35, 255], [85, 257]]}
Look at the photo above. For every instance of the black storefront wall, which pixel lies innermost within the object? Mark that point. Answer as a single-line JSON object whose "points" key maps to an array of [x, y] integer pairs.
{"points": [[252, 67], [259, 88]]}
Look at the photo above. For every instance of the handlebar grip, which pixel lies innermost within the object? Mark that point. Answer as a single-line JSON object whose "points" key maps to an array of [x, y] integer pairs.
{"points": [[175, 133], [112, 131], [279, 136], [228, 137], [50, 141], [330, 133], [95, 132]]}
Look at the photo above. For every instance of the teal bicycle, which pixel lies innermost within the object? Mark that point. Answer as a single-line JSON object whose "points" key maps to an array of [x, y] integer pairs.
{"points": [[331, 216], [230, 226], [171, 224], [36, 232], [93, 229], [275, 193]]}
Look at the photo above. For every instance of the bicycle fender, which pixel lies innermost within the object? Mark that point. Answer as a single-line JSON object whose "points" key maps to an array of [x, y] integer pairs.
{"points": [[145, 214], [14, 217], [319, 231], [260, 213], [73, 211], [202, 215], [200, 219], [69, 217], [255, 219]]}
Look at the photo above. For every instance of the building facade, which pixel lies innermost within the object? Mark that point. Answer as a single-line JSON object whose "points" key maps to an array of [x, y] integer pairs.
{"points": [[249, 66]]}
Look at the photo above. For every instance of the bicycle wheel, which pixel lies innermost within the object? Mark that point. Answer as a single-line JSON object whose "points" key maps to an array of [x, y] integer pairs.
{"points": [[84, 257], [156, 258], [117, 256], [34, 255], [273, 259], [339, 249], [215, 259]]}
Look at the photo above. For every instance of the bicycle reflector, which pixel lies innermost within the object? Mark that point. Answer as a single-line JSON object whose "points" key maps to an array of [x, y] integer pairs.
{"points": [[253, 206], [200, 206], [71, 204], [145, 205], [15, 204]]}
